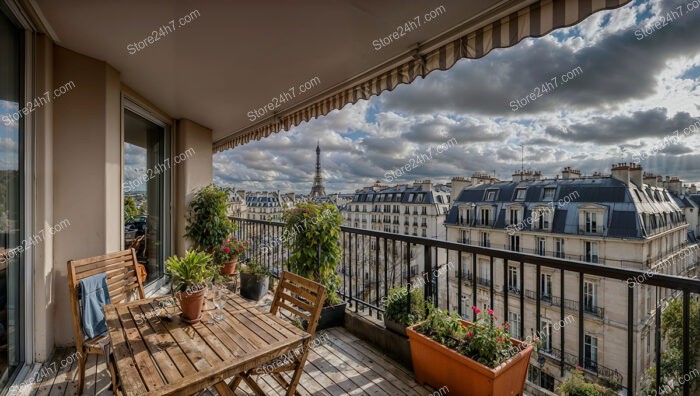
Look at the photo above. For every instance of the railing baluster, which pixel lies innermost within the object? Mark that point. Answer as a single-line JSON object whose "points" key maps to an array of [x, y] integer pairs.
{"points": [[376, 273], [561, 316], [447, 278], [686, 341], [581, 346], [522, 299], [491, 276], [630, 340], [459, 284], [657, 342], [506, 290], [474, 275], [538, 307], [428, 274], [386, 270], [408, 276]]}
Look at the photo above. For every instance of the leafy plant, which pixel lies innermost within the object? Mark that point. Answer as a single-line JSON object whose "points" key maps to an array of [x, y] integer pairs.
{"points": [[313, 237], [672, 357], [191, 271], [130, 210], [229, 249], [484, 341], [396, 306], [576, 385], [207, 220], [255, 268]]}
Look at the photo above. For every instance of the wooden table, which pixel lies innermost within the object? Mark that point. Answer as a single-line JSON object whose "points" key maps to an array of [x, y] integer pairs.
{"points": [[156, 356]]}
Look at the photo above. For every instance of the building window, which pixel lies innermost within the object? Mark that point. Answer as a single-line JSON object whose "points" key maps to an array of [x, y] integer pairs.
{"points": [[520, 194], [542, 217], [590, 296], [485, 239], [591, 249], [549, 194], [463, 236], [485, 214], [541, 246], [514, 323], [546, 333], [423, 233], [559, 247], [515, 243], [590, 360], [514, 216], [546, 286], [490, 195], [484, 271], [513, 281], [591, 222]]}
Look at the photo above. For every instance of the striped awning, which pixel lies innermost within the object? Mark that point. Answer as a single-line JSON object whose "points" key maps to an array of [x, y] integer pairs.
{"points": [[535, 20]]}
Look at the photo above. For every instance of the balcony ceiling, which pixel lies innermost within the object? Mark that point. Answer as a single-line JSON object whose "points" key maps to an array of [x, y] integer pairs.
{"points": [[237, 56]]}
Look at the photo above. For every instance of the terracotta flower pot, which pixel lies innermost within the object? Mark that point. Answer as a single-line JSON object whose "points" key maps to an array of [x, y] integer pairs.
{"points": [[229, 267], [436, 365], [191, 304]]}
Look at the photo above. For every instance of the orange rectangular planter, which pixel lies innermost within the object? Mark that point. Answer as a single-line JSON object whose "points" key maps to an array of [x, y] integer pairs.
{"points": [[436, 365]]}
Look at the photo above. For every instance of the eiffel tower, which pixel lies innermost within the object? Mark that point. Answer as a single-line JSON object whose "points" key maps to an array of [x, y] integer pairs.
{"points": [[318, 190]]}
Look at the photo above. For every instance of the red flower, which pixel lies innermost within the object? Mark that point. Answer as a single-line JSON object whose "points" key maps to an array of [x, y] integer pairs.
{"points": [[579, 368], [490, 311], [500, 340], [470, 334], [474, 308], [506, 325], [477, 311], [227, 249]]}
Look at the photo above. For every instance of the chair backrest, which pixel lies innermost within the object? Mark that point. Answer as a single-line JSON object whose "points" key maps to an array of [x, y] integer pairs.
{"points": [[301, 297], [122, 281]]}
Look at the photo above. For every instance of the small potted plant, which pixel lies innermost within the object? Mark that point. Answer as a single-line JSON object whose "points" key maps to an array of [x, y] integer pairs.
{"points": [[397, 314], [314, 242], [227, 253], [481, 356], [576, 385], [189, 276], [254, 280]]}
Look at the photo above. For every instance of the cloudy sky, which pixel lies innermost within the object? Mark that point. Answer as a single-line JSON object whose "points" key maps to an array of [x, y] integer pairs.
{"points": [[632, 89]]}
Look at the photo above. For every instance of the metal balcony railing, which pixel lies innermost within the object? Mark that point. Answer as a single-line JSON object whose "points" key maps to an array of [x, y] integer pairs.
{"points": [[439, 261]]}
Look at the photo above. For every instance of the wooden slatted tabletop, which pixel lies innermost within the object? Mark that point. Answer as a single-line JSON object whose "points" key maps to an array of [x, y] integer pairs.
{"points": [[157, 356]]}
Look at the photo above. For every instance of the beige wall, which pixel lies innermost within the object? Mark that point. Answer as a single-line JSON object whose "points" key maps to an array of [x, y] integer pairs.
{"points": [[190, 175], [87, 170], [44, 300]]}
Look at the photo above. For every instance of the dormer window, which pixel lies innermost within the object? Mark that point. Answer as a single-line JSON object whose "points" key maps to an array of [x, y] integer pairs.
{"points": [[591, 222], [513, 217], [549, 194], [490, 195], [520, 194]]}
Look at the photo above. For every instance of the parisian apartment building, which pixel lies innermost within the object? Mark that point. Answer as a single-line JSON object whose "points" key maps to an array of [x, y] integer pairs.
{"points": [[627, 219], [418, 209], [269, 205]]}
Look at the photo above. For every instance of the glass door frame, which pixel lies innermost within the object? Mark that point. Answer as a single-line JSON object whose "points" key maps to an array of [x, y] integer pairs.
{"points": [[134, 105], [26, 193]]}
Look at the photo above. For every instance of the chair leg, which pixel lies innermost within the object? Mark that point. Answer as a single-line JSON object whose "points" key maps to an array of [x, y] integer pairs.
{"points": [[81, 369], [297, 373], [235, 382]]}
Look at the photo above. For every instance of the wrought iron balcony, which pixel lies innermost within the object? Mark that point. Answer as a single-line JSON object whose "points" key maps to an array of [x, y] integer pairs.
{"points": [[437, 262]]}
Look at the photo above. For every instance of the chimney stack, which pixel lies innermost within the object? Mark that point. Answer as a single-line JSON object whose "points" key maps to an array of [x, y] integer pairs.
{"points": [[675, 185], [569, 173], [693, 189], [635, 172], [621, 172], [458, 184], [650, 179]]}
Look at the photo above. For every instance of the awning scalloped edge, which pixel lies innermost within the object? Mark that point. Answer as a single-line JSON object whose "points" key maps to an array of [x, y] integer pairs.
{"points": [[535, 20]]}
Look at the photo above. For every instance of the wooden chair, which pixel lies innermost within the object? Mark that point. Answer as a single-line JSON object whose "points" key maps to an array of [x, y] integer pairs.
{"points": [[123, 284], [299, 297]]}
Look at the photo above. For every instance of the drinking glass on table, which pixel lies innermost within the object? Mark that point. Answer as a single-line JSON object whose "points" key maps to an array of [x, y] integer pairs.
{"points": [[218, 297]]}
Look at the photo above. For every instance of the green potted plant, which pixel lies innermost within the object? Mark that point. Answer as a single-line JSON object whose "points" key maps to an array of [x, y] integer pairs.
{"points": [[254, 280], [189, 276], [226, 254], [397, 313], [481, 356], [207, 221], [576, 385], [313, 237]]}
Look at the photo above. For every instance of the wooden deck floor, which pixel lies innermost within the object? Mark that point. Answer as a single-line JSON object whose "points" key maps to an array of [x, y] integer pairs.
{"points": [[341, 364]]}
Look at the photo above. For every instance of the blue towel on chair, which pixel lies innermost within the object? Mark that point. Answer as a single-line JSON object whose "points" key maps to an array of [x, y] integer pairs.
{"points": [[94, 296]]}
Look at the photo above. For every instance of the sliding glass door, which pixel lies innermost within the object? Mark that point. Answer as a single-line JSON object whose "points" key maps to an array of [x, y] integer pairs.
{"points": [[11, 162], [146, 191]]}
